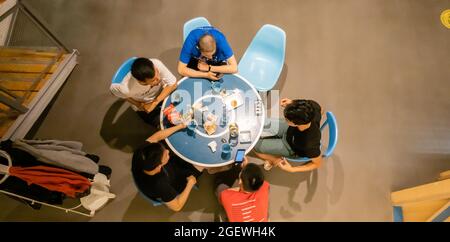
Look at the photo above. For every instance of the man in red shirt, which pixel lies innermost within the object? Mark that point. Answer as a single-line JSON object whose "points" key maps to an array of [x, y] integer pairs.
{"points": [[248, 200]]}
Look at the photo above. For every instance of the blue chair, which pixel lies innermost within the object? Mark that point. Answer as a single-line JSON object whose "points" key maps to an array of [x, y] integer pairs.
{"points": [[333, 138], [152, 201], [193, 24], [263, 60], [123, 70]]}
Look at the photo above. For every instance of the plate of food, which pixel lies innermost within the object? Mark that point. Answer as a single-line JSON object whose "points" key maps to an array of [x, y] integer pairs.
{"points": [[234, 100], [210, 127]]}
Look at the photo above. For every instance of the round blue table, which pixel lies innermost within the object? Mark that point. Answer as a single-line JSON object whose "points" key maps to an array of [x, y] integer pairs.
{"points": [[249, 117]]}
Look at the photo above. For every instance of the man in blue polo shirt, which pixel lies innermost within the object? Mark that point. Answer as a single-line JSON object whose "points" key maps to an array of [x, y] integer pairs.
{"points": [[206, 54]]}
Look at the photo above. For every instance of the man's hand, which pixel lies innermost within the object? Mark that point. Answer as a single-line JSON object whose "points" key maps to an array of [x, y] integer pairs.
{"points": [[191, 180], [149, 107], [245, 162], [202, 66], [211, 76], [140, 106], [285, 101], [284, 165], [277, 162], [183, 125]]}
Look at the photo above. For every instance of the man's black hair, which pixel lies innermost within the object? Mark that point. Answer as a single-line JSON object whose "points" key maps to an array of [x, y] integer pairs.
{"points": [[148, 157], [252, 177], [299, 112], [142, 69]]}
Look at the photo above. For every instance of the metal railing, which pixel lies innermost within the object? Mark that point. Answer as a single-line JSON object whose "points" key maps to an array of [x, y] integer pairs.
{"points": [[26, 33]]}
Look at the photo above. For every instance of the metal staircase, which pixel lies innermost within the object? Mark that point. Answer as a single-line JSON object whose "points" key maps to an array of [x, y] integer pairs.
{"points": [[34, 64], [425, 203]]}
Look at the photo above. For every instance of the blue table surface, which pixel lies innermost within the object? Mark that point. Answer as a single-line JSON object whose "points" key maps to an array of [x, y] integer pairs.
{"points": [[193, 146]]}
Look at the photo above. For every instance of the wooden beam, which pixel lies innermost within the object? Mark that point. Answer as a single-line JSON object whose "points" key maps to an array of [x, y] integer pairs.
{"points": [[27, 59], [421, 211], [444, 175], [38, 65], [47, 52], [18, 71], [11, 76], [439, 212], [21, 85], [432, 191], [25, 68]]}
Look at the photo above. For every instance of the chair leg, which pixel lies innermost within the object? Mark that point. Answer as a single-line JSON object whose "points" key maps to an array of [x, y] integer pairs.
{"points": [[264, 95]]}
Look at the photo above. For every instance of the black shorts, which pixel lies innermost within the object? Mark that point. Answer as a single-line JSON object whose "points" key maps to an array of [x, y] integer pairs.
{"points": [[151, 118], [185, 168]]}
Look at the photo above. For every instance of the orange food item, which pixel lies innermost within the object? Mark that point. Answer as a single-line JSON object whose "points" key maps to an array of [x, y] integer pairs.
{"points": [[233, 103], [210, 128]]}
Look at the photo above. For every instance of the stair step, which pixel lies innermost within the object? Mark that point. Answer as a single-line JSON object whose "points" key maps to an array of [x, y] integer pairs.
{"points": [[432, 191], [441, 215], [421, 211], [48, 52], [19, 69]]}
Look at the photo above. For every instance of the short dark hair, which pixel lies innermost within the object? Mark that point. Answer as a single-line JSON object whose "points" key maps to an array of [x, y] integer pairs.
{"points": [[206, 45], [148, 157], [299, 112], [252, 177], [142, 69]]}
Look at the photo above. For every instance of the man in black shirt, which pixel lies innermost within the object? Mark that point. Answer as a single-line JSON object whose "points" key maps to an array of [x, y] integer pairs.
{"points": [[161, 175], [297, 135]]}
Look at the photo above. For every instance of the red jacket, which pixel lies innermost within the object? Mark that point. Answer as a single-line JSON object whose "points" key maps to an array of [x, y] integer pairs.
{"points": [[54, 179]]}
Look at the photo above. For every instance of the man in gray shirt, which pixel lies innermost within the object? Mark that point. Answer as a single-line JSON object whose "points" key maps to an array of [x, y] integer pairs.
{"points": [[147, 84]]}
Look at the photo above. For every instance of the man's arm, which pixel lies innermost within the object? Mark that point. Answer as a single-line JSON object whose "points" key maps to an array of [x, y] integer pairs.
{"points": [[186, 71], [230, 68], [316, 162], [178, 203], [165, 92], [135, 103], [149, 107], [162, 134]]}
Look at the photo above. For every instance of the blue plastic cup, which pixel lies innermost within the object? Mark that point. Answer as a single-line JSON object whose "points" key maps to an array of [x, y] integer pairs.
{"points": [[216, 87], [176, 97], [226, 151], [191, 127]]}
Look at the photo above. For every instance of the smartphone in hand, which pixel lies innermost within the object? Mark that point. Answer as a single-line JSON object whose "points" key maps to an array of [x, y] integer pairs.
{"points": [[240, 154]]}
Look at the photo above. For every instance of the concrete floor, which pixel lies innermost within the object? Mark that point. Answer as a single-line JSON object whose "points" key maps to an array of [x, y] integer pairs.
{"points": [[381, 66]]}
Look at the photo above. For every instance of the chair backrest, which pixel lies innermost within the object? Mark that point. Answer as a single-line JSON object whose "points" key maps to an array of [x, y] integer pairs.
{"points": [[332, 138], [193, 24], [123, 70], [152, 201], [333, 133], [263, 60]]}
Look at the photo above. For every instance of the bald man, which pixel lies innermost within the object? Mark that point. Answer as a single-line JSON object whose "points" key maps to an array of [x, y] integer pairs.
{"points": [[206, 54]]}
